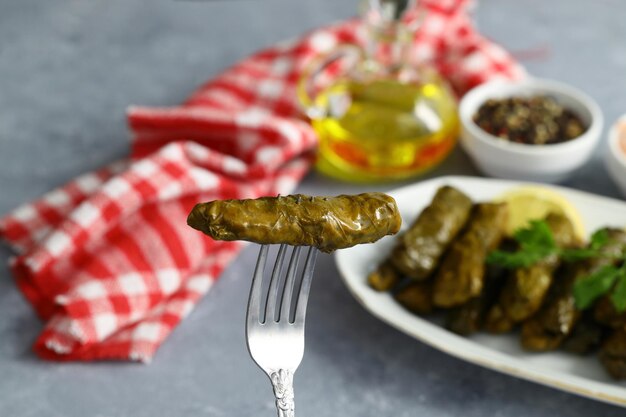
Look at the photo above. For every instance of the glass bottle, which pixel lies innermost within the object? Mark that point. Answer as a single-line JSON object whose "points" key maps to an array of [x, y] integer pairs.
{"points": [[382, 119]]}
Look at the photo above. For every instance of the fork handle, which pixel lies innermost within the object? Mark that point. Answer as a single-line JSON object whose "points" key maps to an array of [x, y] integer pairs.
{"points": [[282, 381]]}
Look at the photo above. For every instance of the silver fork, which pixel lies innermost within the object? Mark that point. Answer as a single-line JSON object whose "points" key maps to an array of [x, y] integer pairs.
{"points": [[275, 333]]}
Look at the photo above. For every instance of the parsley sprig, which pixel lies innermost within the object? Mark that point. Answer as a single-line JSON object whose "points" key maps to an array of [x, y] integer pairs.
{"points": [[536, 243], [589, 289]]}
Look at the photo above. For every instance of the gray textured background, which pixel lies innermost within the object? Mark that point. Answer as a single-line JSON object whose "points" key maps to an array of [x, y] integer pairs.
{"points": [[68, 69]]}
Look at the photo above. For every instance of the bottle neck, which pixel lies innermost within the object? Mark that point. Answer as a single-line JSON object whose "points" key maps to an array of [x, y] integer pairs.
{"points": [[388, 37], [387, 47]]}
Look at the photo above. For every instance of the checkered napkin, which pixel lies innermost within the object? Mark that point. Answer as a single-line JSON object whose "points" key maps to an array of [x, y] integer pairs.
{"points": [[108, 261]]}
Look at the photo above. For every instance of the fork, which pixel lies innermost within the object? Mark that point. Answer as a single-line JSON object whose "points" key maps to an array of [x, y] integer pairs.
{"points": [[275, 322]]}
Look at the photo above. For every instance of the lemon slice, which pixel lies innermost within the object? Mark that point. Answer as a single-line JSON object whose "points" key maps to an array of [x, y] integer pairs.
{"points": [[532, 202]]}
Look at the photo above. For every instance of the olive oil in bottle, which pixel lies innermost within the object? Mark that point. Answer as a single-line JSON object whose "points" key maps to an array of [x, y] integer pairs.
{"points": [[383, 118], [384, 129]]}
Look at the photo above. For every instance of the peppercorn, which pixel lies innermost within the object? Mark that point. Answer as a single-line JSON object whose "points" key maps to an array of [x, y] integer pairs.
{"points": [[538, 120]]}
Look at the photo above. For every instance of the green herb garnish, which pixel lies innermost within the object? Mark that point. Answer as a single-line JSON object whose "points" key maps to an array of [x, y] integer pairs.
{"points": [[536, 243], [592, 287], [619, 292], [598, 240]]}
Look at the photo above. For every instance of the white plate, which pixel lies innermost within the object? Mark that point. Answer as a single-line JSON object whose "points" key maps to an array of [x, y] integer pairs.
{"points": [[583, 376]]}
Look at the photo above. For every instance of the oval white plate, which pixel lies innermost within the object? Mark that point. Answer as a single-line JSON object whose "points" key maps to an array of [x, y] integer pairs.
{"points": [[580, 375]]}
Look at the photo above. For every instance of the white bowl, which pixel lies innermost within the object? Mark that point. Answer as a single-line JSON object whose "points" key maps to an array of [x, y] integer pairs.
{"points": [[544, 163], [616, 157]]}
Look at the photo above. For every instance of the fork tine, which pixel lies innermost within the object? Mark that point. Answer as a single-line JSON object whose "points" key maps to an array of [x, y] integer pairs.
{"points": [[285, 306], [305, 286], [254, 301], [272, 294]]}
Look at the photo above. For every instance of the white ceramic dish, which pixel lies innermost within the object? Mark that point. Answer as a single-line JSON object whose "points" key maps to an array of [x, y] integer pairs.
{"points": [[580, 375], [548, 163], [616, 158]]}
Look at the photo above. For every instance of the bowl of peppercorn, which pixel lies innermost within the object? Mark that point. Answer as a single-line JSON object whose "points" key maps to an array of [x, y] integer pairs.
{"points": [[529, 130]]}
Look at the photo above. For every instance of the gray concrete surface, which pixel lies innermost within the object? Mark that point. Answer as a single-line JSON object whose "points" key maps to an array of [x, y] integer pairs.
{"points": [[69, 68]]}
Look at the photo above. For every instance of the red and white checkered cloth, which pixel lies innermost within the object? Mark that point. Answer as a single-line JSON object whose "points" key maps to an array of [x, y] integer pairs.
{"points": [[108, 260]]}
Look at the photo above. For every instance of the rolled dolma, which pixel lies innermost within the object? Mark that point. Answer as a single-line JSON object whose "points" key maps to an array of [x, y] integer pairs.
{"points": [[497, 321], [586, 336], [555, 320], [526, 288], [419, 250], [327, 223], [606, 314], [416, 297], [384, 277], [558, 317], [613, 353], [470, 317], [462, 271]]}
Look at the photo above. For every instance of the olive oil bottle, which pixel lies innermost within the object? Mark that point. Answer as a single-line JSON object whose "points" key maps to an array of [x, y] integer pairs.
{"points": [[384, 130], [383, 120]]}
